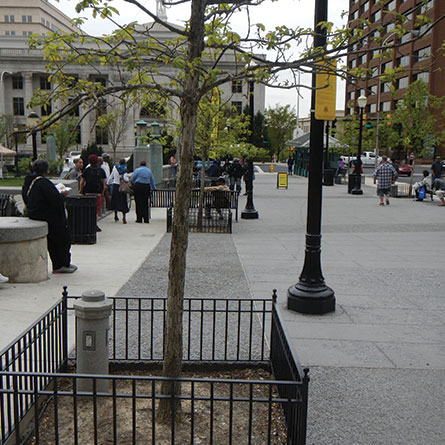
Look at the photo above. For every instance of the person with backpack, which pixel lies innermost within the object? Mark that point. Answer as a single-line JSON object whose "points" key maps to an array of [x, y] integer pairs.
{"points": [[92, 183]]}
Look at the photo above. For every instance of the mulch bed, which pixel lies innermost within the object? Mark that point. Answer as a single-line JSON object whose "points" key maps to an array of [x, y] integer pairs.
{"points": [[207, 416]]}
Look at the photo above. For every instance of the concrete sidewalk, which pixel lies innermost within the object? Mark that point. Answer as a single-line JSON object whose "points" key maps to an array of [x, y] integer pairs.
{"points": [[106, 265], [378, 362]]}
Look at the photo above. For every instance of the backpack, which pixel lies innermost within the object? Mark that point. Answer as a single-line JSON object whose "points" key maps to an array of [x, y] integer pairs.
{"points": [[421, 192], [94, 180]]}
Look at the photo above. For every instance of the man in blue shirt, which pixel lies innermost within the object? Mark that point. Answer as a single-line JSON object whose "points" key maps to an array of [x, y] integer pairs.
{"points": [[143, 182]]}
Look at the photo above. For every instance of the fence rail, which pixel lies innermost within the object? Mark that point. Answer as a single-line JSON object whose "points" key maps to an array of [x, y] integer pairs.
{"points": [[220, 331]]}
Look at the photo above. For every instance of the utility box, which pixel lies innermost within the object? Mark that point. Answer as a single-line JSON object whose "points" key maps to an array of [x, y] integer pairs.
{"points": [[92, 326]]}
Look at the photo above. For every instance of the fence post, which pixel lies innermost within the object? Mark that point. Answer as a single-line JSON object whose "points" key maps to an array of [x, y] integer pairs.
{"points": [[64, 328]]}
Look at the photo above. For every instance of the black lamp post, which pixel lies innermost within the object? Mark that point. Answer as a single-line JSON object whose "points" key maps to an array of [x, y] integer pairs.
{"points": [[250, 212], [357, 190], [311, 295], [32, 119]]}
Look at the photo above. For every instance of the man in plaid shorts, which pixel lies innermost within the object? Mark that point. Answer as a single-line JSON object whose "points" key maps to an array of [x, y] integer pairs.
{"points": [[385, 175]]}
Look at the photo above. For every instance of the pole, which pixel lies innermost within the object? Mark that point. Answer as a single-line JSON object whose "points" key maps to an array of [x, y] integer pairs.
{"points": [[311, 295], [34, 145], [357, 190], [250, 212]]}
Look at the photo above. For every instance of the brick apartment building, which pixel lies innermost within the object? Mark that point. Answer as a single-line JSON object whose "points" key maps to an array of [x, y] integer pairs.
{"points": [[420, 57]]}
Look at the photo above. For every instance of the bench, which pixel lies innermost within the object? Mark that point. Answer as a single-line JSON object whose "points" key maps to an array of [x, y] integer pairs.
{"points": [[4, 201], [165, 198]]}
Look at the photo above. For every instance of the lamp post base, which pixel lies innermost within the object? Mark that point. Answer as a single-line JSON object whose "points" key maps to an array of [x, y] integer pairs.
{"points": [[310, 299], [356, 191], [249, 214]]}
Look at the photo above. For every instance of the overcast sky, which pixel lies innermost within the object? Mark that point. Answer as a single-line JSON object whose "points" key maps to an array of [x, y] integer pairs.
{"points": [[282, 12]]}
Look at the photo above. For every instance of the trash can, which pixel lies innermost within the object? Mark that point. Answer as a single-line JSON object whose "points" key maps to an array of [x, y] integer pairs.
{"points": [[328, 176], [82, 218], [352, 180]]}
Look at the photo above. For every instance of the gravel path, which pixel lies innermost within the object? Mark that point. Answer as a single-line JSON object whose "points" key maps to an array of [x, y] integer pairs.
{"points": [[213, 270]]}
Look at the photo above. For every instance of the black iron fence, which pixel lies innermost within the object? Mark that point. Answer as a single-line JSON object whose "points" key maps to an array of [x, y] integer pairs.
{"points": [[225, 332], [207, 221]]}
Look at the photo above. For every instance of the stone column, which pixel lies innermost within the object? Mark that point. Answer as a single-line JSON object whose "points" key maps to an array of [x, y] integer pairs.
{"points": [[27, 80]]}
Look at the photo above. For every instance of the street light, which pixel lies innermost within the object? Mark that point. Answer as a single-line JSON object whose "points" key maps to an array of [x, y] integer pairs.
{"points": [[250, 212], [311, 295], [357, 190], [32, 120], [140, 132]]}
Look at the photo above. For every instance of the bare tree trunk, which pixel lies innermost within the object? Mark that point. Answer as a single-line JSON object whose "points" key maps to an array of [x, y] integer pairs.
{"points": [[179, 239]]}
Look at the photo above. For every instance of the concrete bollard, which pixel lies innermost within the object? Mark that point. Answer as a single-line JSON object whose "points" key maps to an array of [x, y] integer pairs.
{"points": [[92, 321]]}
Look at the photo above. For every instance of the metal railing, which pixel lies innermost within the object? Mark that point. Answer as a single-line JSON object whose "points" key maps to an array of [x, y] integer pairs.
{"points": [[224, 332], [42, 349]]}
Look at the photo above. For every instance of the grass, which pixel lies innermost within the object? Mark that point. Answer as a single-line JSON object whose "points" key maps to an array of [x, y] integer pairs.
{"points": [[11, 182]]}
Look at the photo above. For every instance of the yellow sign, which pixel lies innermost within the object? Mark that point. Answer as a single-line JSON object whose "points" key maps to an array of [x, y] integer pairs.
{"points": [[326, 88], [282, 180]]}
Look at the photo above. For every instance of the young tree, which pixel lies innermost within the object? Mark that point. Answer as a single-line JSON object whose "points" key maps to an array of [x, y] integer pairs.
{"points": [[420, 116], [6, 128], [185, 67], [280, 122], [65, 134]]}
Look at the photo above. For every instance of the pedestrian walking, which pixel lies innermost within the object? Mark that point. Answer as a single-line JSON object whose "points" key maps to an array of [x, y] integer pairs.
{"points": [[143, 183], [236, 172], [118, 201], [385, 175], [436, 168], [173, 165], [45, 203], [290, 164]]}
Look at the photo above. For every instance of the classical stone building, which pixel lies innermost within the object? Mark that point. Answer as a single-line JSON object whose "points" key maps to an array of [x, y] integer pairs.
{"points": [[23, 72]]}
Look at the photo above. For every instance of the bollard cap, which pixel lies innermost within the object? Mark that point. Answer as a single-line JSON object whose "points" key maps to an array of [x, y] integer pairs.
{"points": [[93, 295]]}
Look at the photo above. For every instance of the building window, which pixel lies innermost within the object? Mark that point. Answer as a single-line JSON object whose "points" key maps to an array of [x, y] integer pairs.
{"points": [[374, 72], [17, 82], [351, 95], [9, 33], [46, 110], [391, 5], [353, 63], [423, 76], [386, 87], [387, 65], [405, 38], [354, 14], [9, 19], [237, 86], [18, 106], [373, 89], [45, 84], [403, 61], [372, 108], [365, 7], [238, 106], [26, 18], [423, 53], [101, 107], [402, 82], [362, 59], [27, 33], [101, 136], [376, 16]]}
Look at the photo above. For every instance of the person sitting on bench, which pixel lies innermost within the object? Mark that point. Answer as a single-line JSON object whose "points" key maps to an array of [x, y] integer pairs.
{"points": [[219, 199]]}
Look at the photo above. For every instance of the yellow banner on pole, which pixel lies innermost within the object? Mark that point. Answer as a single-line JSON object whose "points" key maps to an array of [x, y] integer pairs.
{"points": [[326, 89]]}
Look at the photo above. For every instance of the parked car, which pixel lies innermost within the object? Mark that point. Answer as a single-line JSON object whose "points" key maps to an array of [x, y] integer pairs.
{"points": [[367, 158], [404, 169]]}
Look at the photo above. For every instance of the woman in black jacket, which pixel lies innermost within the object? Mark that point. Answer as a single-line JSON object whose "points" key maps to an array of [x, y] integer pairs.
{"points": [[45, 203]]}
